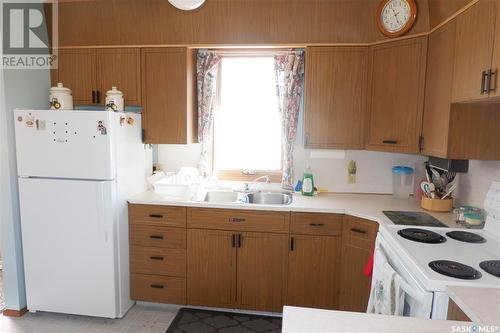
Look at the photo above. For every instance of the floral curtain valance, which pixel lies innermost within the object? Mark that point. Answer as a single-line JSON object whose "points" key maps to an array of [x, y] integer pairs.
{"points": [[289, 71]]}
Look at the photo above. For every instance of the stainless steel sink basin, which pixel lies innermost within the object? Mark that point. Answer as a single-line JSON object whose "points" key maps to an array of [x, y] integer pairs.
{"points": [[270, 198], [221, 196]]}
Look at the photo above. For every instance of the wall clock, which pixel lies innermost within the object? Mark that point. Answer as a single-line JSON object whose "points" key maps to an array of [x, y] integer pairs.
{"points": [[186, 4], [396, 17]]}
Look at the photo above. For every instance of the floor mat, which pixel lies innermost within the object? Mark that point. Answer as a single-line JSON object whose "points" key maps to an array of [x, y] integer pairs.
{"points": [[205, 321]]}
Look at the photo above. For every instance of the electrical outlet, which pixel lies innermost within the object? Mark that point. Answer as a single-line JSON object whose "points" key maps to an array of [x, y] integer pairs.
{"points": [[351, 172]]}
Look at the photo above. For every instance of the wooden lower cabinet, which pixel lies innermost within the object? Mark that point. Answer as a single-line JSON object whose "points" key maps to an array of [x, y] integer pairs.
{"points": [[158, 288], [157, 253], [314, 271], [236, 269], [261, 271], [455, 313], [211, 268], [358, 242], [301, 259]]}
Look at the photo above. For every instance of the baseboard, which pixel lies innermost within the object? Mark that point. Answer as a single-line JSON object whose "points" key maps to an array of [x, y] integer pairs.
{"points": [[14, 313]]}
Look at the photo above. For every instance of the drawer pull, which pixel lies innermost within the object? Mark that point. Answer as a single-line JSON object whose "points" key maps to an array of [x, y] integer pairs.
{"points": [[390, 142], [317, 224], [292, 244], [155, 237], [155, 258], [156, 216], [236, 219], [157, 286], [359, 231]]}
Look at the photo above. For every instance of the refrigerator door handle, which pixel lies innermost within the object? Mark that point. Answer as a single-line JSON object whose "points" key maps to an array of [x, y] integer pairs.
{"points": [[100, 211]]}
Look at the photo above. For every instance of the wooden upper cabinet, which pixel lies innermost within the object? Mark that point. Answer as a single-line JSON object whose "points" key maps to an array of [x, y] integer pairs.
{"points": [[261, 271], [120, 68], [439, 81], [396, 95], [475, 38], [445, 122], [211, 268], [77, 71], [169, 96], [90, 73], [336, 82], [496, 58], [314, 271]]}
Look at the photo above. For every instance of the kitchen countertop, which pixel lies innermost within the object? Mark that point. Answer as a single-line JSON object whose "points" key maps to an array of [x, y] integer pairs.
{"points": [[367, 206], [306, 320], [481, 305]]}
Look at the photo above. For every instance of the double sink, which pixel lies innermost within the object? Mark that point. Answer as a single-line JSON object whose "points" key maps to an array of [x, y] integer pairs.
{"points": [[254, 198]]}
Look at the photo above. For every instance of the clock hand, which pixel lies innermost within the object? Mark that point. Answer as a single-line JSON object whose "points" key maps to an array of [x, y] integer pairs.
{"points": [[396, 16]]}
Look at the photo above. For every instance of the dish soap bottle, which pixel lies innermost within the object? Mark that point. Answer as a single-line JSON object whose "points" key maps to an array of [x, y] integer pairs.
{"points": [[308, 182]]}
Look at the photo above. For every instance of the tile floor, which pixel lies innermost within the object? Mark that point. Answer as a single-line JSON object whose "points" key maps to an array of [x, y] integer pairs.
{"points": [[143, 317]]}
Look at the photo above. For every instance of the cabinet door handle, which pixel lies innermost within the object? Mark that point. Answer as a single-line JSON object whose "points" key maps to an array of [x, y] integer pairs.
{"points": [[156, 216], [157, 286], [484, 76], [359, 231], [492, 81], [156, 258], [240, 240], [155, 237], [98, 96], [233, 240], [390, 142], [93, 96], [292, 243], [317, 224], [236, 219]]}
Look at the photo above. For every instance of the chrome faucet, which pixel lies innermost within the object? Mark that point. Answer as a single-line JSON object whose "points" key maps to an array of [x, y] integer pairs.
{"points": [[266, 177], [246, 186]]}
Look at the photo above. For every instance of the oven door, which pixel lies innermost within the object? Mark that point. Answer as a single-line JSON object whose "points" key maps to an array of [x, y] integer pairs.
{"points": [[417, 301]]}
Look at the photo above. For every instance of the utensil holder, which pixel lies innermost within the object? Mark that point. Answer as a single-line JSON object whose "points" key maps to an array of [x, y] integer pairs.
{"points": [[437, 205]]}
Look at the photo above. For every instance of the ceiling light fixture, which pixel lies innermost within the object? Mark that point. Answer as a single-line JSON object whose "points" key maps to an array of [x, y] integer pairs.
{"points": [[186, 4]]}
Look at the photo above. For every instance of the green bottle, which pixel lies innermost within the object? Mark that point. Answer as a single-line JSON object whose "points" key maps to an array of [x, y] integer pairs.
{"points": [[308, 182]]}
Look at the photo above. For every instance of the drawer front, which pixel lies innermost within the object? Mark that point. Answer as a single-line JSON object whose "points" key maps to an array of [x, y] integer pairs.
{"points": [[238, 220], [157, 288], [171, 238], [316, 224], [157, 215], [359, 232], [150, 260]]}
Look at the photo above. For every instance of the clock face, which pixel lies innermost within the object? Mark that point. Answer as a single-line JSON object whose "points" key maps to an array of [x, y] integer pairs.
{"points": [[395, 15]]}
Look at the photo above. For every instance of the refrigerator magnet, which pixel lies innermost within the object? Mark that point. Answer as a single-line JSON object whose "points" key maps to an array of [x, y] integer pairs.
{"points": [[30, 121]]}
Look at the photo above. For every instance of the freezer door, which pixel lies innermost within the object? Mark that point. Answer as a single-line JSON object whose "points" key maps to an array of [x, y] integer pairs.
{"points": [[65, 144], [69, 246]]}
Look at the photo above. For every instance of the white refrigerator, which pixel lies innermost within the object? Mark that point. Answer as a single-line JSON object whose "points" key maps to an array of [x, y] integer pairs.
{"points": [[76, 170]]}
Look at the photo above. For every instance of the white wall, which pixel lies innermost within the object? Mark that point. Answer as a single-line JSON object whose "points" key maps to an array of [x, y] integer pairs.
{"points": [[373, 175], [21, 89], [472, 186]]}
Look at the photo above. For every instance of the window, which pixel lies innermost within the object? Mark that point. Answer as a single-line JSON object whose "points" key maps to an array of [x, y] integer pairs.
{"points": [[247, 125]]}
